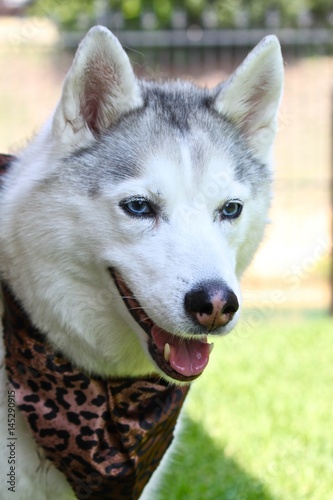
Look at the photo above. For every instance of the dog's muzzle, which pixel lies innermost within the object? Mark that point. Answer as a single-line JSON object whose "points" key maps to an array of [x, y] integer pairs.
{"points": [[180, 358]]}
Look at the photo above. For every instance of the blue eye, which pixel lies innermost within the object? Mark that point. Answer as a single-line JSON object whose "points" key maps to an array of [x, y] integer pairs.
{"points": [[231, 210], [138, 207]]}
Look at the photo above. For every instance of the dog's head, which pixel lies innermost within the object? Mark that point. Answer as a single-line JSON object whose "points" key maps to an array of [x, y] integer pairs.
{"points": [[129, 220]]}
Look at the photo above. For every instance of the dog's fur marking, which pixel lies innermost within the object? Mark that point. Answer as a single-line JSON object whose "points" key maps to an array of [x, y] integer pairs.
{"points": [[128, 221]]}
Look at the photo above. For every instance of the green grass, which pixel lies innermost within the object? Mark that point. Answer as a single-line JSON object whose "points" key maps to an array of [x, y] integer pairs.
{"points": [[259, 421]]}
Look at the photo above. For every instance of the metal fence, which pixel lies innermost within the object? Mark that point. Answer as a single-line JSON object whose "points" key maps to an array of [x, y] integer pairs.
{"points": [[195, 49]]}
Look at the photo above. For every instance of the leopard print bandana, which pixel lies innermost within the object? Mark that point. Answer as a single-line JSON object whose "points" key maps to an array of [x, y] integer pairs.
{"points": [[106, 436]]}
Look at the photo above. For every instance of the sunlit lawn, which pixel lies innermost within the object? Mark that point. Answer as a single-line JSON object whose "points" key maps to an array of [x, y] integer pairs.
{"points": [[260, 419]]}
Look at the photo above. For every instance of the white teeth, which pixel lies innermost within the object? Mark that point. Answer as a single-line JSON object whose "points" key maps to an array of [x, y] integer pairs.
{"points": [[167, 353], [211, 347]]}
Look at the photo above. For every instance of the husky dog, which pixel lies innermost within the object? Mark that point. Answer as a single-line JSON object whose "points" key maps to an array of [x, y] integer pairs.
{"points": [[125, 227]]}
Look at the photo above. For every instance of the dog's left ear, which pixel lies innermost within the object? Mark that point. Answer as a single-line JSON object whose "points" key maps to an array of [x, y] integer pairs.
{"points": [[250, 97], [99, 88]]}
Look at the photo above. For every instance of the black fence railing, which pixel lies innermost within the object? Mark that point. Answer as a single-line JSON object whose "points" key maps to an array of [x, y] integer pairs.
{"points": [[195, 36]]}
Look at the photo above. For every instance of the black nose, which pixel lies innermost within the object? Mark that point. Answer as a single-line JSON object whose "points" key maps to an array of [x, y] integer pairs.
{"points": [[211, 304]]}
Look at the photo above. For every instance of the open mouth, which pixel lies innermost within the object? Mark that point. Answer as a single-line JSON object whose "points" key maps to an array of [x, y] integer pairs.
{"points": [[178, 357]]}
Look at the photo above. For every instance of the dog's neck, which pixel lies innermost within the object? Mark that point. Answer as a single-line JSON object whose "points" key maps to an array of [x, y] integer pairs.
{"points": [[106, 436]]}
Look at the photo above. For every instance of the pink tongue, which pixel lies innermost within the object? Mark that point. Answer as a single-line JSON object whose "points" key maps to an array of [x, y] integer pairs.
{"points": [[188, 357]]}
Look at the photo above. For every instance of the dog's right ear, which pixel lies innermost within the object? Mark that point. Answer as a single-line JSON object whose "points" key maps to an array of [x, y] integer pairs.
{"points": [[99, 88], [250, 97]]}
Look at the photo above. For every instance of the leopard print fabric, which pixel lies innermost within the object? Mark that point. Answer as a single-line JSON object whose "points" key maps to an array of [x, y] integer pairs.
{"points": [[106, 436]]}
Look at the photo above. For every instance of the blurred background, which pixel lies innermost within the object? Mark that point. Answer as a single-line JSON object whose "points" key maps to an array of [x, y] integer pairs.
{"points": [[269, 430]]}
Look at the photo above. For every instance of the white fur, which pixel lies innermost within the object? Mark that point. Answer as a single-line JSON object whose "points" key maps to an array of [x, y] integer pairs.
{"points": [[250, 95], [102, 68], [56, 244]]}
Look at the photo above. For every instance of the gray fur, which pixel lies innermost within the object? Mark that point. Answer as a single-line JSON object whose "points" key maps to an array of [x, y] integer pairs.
{"points": [[172, 111]]}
